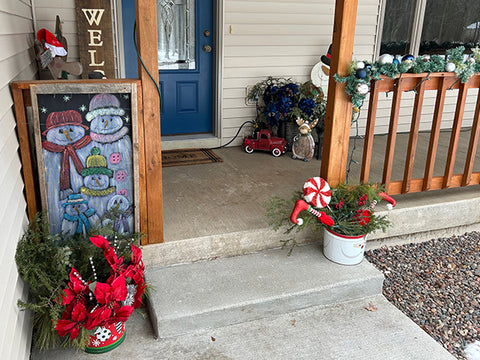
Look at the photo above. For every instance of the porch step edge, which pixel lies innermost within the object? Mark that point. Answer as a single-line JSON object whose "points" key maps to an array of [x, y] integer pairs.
{"points": [[416, 218], [222, 292], [220, 245]]}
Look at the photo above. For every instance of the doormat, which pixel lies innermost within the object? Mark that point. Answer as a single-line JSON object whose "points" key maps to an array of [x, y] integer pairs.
{"points": [[188, 157]]}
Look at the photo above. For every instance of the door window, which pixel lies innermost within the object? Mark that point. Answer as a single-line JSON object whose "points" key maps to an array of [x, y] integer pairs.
{"points": [[176, 34]]}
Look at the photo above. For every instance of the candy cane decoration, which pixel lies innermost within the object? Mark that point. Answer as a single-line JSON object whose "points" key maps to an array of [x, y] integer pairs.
{"points": [[316, 192]]}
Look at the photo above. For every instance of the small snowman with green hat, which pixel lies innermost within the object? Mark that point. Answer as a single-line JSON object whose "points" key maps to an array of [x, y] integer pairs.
{"points": [[78, 218], [96, 182]]}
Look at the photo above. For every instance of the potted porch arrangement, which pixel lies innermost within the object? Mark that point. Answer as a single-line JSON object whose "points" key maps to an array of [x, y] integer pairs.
{"points": [[345, 214], [281, 101], [82, 291]]}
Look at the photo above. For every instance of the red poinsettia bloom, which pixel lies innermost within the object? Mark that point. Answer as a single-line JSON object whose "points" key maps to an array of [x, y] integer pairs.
{"points": [[76, 290], [100, 242], [136, 255], [71, 326], [138, 296], [114, 261], [109, 297]]}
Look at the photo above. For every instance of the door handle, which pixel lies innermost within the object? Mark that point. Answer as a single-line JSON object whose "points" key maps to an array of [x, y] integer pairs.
{"points": [[207, 48]]}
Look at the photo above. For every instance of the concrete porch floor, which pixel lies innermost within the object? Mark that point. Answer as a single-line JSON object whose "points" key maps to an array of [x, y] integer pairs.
{"points": [[206, 206]]}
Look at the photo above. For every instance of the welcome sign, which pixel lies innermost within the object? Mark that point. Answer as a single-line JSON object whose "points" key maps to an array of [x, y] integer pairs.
{"points": [[95, 37]]}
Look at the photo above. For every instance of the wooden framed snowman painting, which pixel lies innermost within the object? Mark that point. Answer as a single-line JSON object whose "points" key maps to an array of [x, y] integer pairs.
{"points": [[86, 143]]}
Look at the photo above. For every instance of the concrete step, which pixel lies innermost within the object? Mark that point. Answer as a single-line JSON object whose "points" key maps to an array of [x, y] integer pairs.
{"points": [[225, 291], [339, 332]]}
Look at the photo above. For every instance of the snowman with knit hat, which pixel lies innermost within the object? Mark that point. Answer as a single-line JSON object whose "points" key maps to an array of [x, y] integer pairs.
{"points": [[64, 152], [96, 187], [109, 134], [78, 217]]}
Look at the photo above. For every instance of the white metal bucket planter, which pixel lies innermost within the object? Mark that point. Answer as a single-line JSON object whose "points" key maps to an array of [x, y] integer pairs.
{"points": [[343, 249]]}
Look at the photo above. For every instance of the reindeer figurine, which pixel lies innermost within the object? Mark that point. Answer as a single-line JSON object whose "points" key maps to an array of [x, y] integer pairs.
{"points": [[303, 144]]}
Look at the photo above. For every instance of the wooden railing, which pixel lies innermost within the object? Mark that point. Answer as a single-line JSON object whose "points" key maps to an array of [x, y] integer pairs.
{"points": [[439, 82]]}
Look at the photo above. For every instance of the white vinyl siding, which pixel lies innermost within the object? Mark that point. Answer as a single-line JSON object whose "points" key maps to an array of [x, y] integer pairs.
{"points": [[282, 39], [17, 63]]}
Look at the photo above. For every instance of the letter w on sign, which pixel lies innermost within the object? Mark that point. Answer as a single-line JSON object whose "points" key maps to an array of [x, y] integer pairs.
{"points": [[93, 16]]}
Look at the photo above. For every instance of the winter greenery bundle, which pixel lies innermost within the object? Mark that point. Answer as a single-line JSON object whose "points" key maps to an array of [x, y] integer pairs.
{"points": [[282, 100], [352, 209], [78, 284], [361, 73]]}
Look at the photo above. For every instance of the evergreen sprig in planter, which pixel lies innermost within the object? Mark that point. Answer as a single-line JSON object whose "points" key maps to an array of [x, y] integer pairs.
{"points": [[82, 291], [346, 215]]}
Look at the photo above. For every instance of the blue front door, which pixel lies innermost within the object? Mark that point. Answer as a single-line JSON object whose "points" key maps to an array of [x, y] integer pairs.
{"points": [[185, 60]]}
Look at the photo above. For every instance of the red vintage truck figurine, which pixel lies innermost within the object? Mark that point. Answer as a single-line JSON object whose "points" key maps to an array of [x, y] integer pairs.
{"points": [[265, 141]]}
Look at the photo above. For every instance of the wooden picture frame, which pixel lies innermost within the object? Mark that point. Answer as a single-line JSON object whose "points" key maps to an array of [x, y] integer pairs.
{"points": [[86, 143]]}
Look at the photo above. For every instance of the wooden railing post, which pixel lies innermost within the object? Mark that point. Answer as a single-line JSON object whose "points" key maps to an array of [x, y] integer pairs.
{"points": [[339, 107], [146, 19]]}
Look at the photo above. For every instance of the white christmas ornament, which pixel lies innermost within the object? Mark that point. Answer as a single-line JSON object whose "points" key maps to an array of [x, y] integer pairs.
{"points": [[359, 65], [450, 67], [385, 59], [362, 89]]}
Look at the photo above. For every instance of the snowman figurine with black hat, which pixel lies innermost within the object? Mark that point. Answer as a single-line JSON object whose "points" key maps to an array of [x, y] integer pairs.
{"points": [[321, 70]]}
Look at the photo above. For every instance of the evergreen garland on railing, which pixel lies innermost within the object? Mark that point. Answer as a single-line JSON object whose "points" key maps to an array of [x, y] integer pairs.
{"points": [[361, 73]]}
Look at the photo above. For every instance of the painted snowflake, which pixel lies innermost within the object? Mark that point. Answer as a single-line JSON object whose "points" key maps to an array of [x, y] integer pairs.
{"points": [[96, 342], [67, 98]]}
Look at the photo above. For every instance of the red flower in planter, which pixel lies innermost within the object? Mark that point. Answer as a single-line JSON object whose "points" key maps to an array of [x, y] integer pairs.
{"points": [[110, 296], [100, 242], [108, 302], [72, 321], [77, 290]]}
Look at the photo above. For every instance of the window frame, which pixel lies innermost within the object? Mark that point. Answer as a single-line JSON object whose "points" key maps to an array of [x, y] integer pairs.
{"points": [[416, 27]]}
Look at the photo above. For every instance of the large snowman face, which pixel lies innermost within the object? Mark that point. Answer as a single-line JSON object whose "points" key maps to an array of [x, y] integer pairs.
{"points": [[65, 134], [118, 203], [76, 209], [106, 124], [96, 181]]}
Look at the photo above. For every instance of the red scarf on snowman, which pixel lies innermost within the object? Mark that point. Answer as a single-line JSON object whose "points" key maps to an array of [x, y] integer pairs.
{"points": [[68, 152]]}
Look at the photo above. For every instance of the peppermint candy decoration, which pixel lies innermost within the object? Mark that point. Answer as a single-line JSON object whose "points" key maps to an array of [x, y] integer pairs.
{"points": [[316, 192]]}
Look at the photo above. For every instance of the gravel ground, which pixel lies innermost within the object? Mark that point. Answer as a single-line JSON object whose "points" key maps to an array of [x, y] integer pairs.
{"points": [[437, 284]]}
